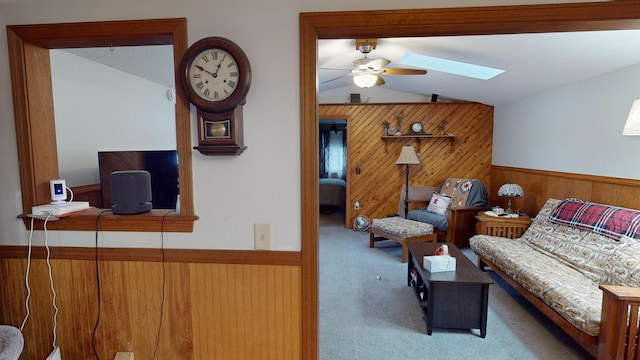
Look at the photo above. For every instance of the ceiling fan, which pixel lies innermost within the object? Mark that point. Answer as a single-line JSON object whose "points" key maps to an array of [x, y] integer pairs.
{"points": [[368, 72]]}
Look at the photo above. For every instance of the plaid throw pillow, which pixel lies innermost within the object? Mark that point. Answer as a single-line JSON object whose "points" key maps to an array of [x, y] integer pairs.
{"points": [[610, 221]]}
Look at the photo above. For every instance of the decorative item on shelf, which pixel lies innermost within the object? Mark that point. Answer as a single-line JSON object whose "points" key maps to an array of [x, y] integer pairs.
{"points": [[510, 190], [216, 76], [407, 157], [632, 125], [416, 129], [441, 126], [385, 132], [399, 118]]}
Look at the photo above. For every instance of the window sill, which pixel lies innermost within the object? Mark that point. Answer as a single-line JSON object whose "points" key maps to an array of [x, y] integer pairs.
{"points": [[160, 220]]}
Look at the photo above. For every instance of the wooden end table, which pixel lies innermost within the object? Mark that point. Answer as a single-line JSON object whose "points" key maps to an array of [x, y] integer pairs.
{"points": [[511, 228], [451, 299]]}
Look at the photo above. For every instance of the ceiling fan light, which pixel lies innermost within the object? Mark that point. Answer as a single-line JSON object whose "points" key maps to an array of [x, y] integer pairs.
{"points": [[365, 80]]}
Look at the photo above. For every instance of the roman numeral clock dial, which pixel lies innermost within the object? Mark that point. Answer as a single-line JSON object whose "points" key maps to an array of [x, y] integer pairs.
{"points": [[216, 75]]}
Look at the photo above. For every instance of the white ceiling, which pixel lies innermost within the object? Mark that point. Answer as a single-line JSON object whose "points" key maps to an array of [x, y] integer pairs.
{"points": [[152, 62], [533, 62]]}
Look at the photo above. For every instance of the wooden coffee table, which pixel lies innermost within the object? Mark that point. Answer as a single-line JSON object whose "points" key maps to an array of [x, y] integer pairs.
{"points": [[453, 299]]}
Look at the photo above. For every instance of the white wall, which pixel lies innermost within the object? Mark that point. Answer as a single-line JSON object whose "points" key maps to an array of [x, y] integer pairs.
{"points": [[231, 194], [376, 94], [99, 108], [575, 128]]}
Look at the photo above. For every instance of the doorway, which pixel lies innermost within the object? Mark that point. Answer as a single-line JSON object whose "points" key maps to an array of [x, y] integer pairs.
{"points": [[418, 22], [332, 161]]}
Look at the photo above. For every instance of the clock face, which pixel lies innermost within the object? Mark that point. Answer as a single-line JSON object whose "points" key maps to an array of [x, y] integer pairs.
{"points": [[213, 74], [416, 127]]}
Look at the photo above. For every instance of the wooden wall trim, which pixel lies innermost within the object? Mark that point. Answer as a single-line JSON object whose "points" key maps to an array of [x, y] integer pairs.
{"points": [[243, 257], [540, 185], [208, 311], [566, 175]]}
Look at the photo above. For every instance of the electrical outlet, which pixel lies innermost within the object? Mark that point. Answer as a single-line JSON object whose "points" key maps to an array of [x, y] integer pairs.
{"points": [[262, 236]]}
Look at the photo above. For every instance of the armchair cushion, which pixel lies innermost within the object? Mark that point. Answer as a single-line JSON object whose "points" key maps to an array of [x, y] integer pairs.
{"points": [[439, 222]]}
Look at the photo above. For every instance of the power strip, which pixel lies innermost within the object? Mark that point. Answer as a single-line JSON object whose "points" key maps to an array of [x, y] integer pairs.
{"points": [[60, 209]]}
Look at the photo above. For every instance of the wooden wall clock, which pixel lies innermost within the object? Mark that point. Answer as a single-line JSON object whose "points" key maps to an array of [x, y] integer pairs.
{"points": [[216, 76]]}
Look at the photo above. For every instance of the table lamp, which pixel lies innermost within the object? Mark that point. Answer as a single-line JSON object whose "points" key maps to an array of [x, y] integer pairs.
{"points": [[510, 190], [407, 157]]}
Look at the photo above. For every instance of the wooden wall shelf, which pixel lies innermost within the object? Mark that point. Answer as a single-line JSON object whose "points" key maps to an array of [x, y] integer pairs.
{"points": [[419, 138]]}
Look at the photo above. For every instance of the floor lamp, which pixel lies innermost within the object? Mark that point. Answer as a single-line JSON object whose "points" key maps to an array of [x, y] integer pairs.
{"points": [[407, 157]]}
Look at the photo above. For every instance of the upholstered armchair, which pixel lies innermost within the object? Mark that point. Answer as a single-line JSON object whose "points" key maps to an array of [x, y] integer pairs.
{"points": [[457, 224]]}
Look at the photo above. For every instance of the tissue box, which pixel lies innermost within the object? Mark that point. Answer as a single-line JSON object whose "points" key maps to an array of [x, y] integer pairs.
{"points": [[439, 263]]}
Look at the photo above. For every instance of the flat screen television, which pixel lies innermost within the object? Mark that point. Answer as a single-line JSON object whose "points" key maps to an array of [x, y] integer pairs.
{"points": [[162, 165]]}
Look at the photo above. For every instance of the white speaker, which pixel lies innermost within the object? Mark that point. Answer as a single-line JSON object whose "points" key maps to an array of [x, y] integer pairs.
{"points": [[130, 192]]}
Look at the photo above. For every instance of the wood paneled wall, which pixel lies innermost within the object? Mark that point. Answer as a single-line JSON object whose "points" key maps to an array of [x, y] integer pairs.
{"points": [[377, 187], [211, 310], [540, 185]]}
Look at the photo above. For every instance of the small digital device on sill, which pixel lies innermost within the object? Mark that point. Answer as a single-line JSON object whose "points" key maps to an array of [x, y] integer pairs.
{"points": [[58, 190]]}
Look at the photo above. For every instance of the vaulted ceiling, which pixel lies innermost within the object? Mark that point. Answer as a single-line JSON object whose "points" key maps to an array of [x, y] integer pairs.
{"points": [[533, 62]]}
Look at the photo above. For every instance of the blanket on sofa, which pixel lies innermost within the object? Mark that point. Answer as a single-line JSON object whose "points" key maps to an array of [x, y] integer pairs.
{"points": [[611, 221]]}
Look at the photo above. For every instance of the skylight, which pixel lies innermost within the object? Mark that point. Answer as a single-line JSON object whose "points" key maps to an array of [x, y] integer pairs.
{"points": [[450, 66]]}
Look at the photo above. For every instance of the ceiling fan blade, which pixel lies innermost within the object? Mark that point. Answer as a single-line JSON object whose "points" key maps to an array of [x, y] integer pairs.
{"points": [[402, 71], [338, 78], [380, 81], [334, 69], [377, 64]]}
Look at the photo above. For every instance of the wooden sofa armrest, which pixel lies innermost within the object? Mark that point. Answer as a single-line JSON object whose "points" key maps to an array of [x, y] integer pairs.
{"points": [[619, 332], [462, 224]]}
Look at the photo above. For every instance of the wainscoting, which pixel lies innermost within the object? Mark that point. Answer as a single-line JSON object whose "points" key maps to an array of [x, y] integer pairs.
{"points": [[218, 304], [378, 184], [539, 185]]}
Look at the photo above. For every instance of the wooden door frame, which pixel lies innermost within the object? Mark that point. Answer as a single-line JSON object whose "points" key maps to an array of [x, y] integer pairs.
{"points": [[615, 15]]}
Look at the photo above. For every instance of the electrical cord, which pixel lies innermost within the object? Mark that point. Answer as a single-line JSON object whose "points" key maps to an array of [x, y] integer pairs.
{"points": [[95, 327], [28, 271], [70, 192], [164, 280], [26, 278], [53, 290]]}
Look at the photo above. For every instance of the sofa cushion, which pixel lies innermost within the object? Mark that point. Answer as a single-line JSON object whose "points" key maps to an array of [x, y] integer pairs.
{"points": [[439, 204], [583, 250], [611, 221], [565, 289], [623, 267]]}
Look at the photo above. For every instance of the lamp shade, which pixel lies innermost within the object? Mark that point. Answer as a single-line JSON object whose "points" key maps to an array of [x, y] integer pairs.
{"points": [[632, 126], [408, 156], [510, 190], [365, 80]]}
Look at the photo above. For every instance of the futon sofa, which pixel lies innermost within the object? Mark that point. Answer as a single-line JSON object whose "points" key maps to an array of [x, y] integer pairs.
{"points": [[579, 263]]}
